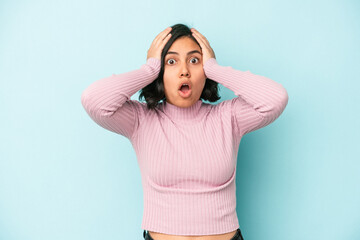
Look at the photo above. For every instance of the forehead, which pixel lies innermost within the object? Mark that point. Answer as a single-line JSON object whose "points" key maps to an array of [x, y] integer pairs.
{"points": [[183, 45]]}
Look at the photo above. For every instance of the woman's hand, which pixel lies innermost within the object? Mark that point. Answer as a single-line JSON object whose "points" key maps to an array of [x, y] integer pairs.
{"points": [[158, 44], [207, 51]]}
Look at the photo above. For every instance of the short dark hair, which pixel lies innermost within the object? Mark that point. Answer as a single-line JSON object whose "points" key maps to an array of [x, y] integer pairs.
{"points": [[155, 92]]}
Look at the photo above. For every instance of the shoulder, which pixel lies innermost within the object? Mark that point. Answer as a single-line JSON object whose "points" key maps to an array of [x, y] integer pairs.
{"points": [[222, 107], [142, 108]]}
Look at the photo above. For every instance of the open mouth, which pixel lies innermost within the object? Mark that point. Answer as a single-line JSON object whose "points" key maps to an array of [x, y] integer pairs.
{"points": [[185, 90]]}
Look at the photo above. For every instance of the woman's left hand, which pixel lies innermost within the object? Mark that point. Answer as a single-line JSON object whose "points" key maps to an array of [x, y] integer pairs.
{"points": [[207, 51]]}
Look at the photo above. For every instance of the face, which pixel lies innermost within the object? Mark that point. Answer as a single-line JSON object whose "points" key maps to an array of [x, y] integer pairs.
{"points": [[183, 63]]}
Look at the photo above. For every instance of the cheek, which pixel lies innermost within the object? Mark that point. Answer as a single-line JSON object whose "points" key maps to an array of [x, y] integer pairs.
{"points": [[168, 75], [200, 79], [199, 71], [169, 84]]}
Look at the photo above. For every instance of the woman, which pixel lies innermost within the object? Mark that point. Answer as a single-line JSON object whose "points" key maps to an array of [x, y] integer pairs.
{"points": [[186, 149]]}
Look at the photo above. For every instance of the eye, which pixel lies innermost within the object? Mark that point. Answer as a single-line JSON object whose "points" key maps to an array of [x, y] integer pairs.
{"points": [[170, 59], [197, 60]]}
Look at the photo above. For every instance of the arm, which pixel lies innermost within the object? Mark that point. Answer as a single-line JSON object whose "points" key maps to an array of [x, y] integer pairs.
{"points": [[260, 100], [107, 101]]}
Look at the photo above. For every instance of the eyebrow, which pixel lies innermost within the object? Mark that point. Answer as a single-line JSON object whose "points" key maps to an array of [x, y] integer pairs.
{"points": [[191, 52]]}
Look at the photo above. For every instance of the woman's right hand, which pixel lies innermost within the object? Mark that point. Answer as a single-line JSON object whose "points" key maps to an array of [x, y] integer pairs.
{"points": [[158, 44]]}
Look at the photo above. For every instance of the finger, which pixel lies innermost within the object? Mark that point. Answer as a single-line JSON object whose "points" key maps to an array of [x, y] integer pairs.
{"points": [[204, 41], [165, 40], [163, 33], [166, 37], [200, 40], [202, 37], [161, 36], [162, 39]]}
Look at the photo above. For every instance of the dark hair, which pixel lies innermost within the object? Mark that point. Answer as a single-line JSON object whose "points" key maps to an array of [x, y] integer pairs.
{"points": [[155, 92]]}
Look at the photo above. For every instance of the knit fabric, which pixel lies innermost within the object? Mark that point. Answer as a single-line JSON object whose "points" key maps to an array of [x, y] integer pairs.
{"points": [[187, 156]]}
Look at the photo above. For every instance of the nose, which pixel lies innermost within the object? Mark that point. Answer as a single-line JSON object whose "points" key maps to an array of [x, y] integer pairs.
{"points": [[185, 74], [184, 71]]}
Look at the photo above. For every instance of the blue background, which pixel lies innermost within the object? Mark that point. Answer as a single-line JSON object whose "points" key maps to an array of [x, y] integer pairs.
{"points": [[64, 177]]}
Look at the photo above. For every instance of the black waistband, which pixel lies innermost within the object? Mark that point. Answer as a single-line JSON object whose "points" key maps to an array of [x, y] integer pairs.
{"points": [[235, 237]]}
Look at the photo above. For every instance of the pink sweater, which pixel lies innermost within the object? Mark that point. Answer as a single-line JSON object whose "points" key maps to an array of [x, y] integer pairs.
{"points": [[187, 156]]}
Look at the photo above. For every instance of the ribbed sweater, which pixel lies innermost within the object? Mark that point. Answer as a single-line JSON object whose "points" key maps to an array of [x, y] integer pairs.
{"points": [[187, 156]]}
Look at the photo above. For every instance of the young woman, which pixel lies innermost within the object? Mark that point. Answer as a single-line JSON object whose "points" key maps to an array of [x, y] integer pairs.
{"points": [[186, 149]]}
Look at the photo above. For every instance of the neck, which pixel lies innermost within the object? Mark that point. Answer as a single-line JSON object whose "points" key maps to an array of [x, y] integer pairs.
{"points": [[177, 113]]}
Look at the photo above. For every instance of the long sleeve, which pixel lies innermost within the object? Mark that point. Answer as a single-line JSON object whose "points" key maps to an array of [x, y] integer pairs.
{"points": [[260, 100], [107, 101]]}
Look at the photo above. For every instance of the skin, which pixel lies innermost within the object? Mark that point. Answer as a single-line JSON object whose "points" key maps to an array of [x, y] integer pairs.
{"points": [[182, 67], [178, 68]]}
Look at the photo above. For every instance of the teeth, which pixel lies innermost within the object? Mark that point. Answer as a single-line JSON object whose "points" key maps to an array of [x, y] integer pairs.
{"points": [[185, 84]]}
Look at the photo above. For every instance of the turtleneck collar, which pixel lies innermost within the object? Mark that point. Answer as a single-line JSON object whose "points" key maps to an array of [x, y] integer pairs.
{"points": [[186, 114]]}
